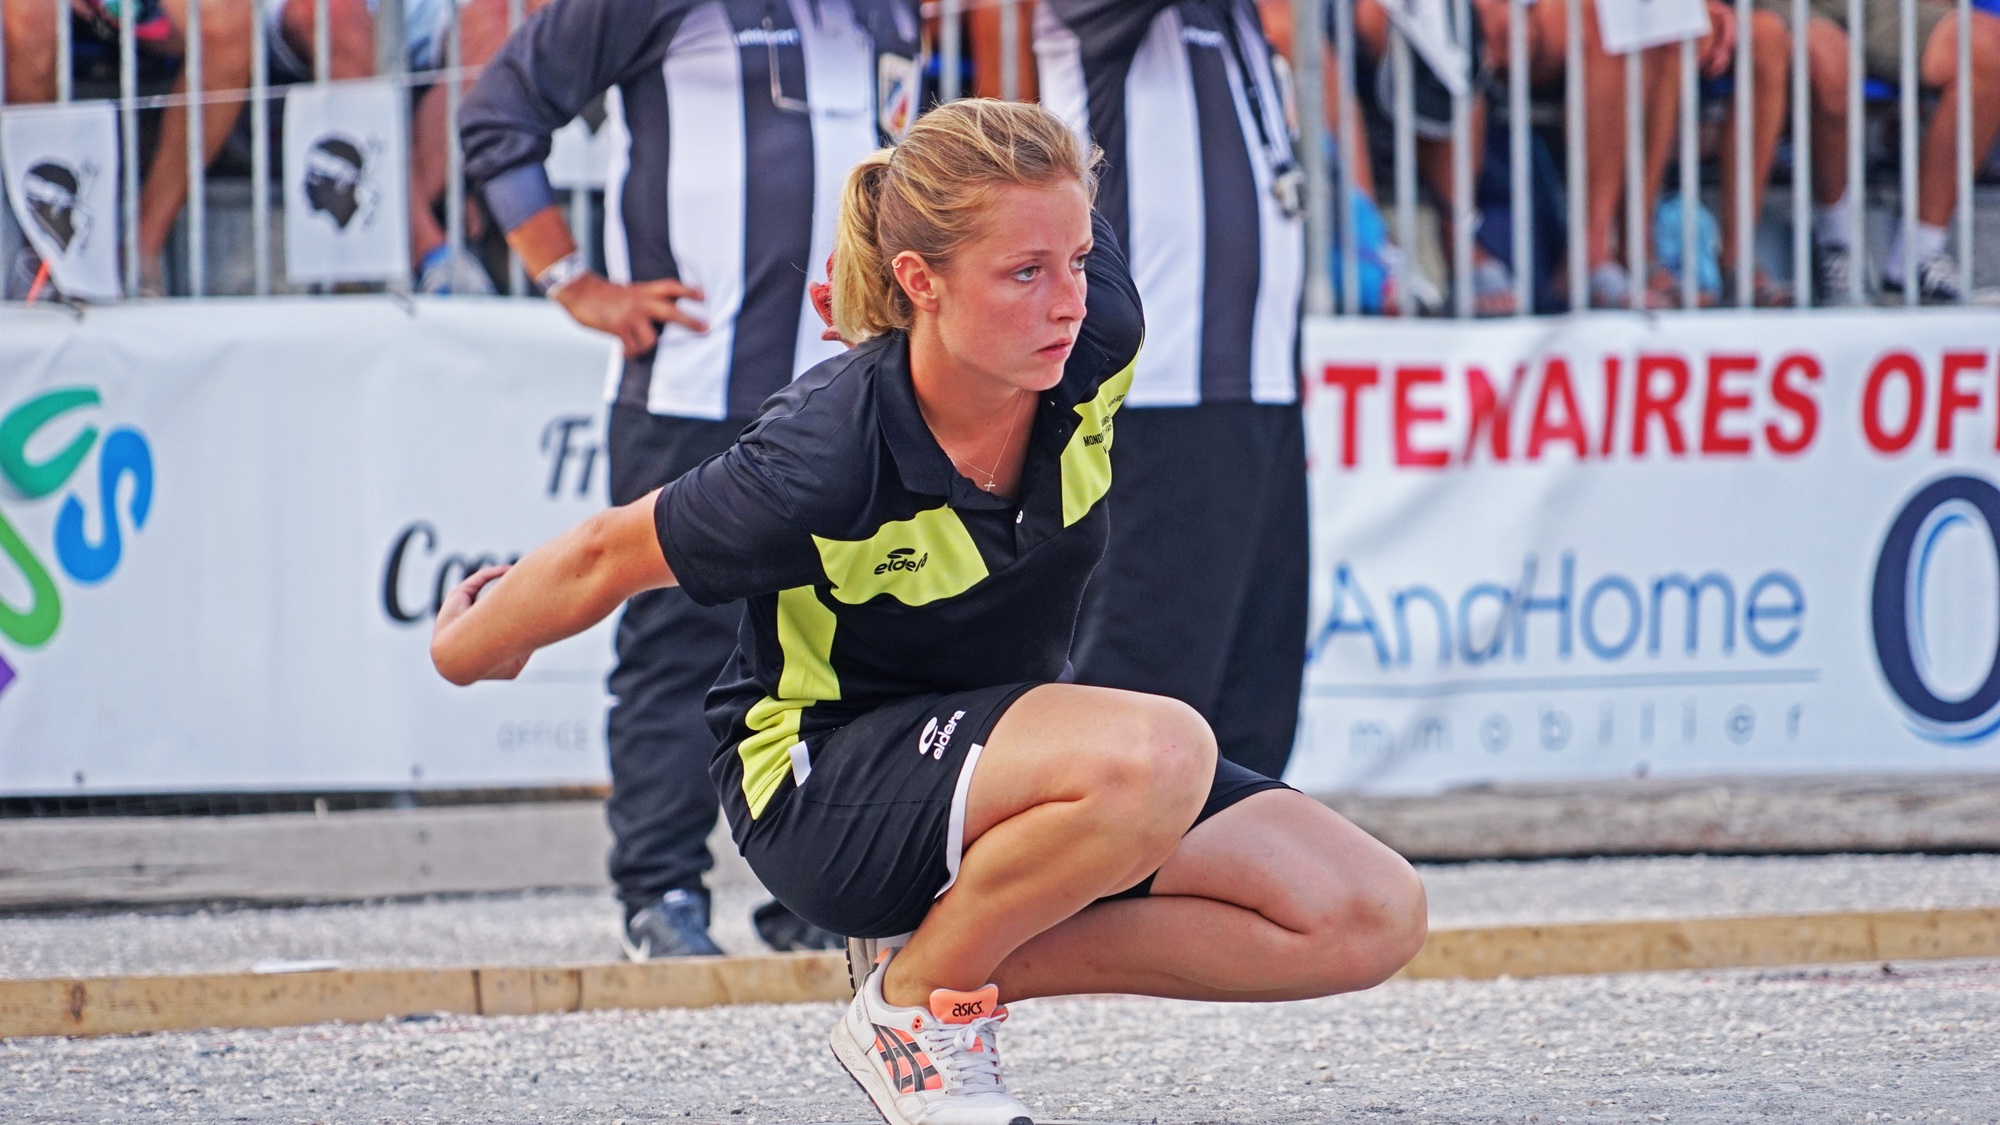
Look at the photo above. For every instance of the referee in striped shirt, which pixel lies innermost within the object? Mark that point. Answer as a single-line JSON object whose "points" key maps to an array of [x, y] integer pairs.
{"points": [[1202, 594], [738, 121]]}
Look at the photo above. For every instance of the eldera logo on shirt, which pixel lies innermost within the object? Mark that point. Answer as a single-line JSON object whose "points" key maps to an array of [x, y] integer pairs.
{"points": [[899, 559], [933, 741]]}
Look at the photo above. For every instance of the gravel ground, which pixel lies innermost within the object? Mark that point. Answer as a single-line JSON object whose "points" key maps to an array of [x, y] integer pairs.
{"points": [[569, 927], [1916, 1042]]}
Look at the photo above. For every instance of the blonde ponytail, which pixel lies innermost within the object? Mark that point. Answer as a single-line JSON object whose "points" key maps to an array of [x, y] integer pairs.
{"points": [[929, 194], [866, 299]]}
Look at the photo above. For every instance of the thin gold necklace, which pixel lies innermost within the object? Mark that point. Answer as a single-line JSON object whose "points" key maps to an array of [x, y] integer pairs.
{"points": [[993, 474]]}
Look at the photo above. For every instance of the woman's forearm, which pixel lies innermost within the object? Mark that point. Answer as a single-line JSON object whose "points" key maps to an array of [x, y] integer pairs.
{"points": [[556, 591]]}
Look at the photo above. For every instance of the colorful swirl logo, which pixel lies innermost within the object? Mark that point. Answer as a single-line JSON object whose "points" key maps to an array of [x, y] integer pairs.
{"points": [[122, 453]]}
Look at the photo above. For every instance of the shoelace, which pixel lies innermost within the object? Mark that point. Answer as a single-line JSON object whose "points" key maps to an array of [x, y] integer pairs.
{"points": [[966, 1054]]}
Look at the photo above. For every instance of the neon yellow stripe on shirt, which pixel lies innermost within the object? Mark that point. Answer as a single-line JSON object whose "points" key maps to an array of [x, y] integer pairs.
{"points": [[1086, 460], [805, 634], [917, 561]]}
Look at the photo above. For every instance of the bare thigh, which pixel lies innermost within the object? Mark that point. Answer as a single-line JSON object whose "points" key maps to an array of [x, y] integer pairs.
{"points": [[1067, 742]]}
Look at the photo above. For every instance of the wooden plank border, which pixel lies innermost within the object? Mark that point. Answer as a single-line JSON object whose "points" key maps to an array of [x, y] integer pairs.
{"points": [[124, 1005]]}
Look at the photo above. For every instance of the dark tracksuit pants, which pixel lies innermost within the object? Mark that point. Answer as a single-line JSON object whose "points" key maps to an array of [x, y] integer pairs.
{"points": [[1202, 592], [670, 652]]}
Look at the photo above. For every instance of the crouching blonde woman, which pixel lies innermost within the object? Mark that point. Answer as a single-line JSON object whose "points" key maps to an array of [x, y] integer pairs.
{"points": [[910, 526]]}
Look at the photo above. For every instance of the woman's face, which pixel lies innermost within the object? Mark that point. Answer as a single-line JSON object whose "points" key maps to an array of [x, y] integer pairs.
{"points": [[1009, 304]]}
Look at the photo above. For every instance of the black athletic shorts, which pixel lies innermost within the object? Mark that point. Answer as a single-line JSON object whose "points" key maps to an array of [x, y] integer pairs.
{"points": [[874, 832]]}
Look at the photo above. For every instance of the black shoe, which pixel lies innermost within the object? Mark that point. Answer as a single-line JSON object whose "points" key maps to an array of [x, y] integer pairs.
{"points": [[1937, 282], [785, 931], [675, 926]]}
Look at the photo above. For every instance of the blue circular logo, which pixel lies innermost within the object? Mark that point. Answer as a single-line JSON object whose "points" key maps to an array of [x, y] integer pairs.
{"points": [[1898, 612]]}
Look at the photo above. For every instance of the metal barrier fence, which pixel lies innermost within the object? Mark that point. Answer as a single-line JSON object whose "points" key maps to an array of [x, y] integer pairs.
{"points": [[391, 62], [1334, 193], [1576, 111]]}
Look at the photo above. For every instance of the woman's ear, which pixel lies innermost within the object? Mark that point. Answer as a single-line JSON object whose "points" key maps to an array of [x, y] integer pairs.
{"points": [[920, 282]]}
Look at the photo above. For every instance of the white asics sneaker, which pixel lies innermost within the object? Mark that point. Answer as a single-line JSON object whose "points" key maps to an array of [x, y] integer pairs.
{"points": [[939, 1066]]}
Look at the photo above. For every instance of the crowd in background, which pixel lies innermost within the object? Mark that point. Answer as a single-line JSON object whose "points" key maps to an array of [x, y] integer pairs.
{"points": [[1393, 278]]}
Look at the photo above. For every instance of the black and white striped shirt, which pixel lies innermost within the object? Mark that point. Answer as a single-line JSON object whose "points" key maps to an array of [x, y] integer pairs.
{"points": [[723, 177], [1162, 86]]}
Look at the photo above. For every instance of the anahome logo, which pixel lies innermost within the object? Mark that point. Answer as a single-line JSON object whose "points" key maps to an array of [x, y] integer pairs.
{"points": [[1910, 593], [43, 443]]}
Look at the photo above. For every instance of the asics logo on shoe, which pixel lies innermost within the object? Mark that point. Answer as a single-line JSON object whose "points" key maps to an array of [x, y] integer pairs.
{"points": [[933, 741], [899, 559], [968, 1010], [909, 1067]]}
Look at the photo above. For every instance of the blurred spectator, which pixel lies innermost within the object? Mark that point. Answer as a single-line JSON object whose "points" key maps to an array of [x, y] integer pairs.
{"points": [[351, 54], [1715, 56], [1770, 95], [1609, 284], [1203, 588], [225, 39], [1492, 280], [1937, 31], [1382, 267]]}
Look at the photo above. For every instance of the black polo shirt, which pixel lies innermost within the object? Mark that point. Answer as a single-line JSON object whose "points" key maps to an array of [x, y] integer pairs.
{"points": [[872, 570]]}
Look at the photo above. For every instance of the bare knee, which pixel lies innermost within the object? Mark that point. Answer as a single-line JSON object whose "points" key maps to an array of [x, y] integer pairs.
{"points": [[1826, 54], [1151, 764], [1368, 930], [226, 28]]}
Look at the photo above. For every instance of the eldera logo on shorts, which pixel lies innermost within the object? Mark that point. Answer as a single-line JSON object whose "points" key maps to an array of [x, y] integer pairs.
{"points": [[933, 741], [1947, 685], [36, 462], [899, 559]]}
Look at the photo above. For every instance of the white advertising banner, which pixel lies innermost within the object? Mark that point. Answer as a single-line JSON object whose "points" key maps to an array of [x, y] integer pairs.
{"points": [[1543, 550], [1760, 543], [347, 211], [61, 164], [224, 526]]}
